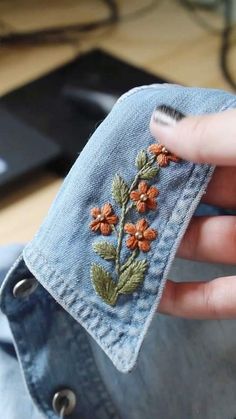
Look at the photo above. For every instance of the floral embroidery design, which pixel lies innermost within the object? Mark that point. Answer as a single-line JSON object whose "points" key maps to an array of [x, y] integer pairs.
{"points": [[163, 156], [134, 199], [144, 197], [104, 219], [140, 235]]}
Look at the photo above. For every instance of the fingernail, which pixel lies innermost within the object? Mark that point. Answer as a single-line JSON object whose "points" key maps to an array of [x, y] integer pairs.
{"points": [[166, 116]]}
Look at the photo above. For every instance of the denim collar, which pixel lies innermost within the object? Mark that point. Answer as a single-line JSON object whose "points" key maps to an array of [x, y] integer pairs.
{"points": [[112, 282]]}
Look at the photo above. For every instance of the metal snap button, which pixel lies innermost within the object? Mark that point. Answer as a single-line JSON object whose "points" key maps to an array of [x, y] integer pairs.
{"points": [[64, 402], [25, 287]]}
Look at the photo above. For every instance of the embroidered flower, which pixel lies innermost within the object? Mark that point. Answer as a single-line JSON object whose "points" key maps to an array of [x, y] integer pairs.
{"points": [[140, 235], [163, 155], [144, 197], [104, 219]]}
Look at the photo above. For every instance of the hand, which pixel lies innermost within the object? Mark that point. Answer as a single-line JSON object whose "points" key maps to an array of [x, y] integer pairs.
{"points": [[205, 139]]}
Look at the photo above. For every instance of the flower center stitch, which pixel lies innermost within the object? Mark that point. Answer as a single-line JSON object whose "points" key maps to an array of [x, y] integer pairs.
{"points": [[139, 235], [164, 150], [100, 217], [143, 197]]}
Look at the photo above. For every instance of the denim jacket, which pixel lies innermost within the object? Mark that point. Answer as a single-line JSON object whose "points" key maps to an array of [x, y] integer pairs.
{"points": [[98, 264]]}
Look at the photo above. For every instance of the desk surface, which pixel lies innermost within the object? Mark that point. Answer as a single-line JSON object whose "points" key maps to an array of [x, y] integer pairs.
{"points": [[165, 40]]}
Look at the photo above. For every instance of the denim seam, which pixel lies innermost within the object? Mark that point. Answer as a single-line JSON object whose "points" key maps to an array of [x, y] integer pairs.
{"points": [[135, 90], [154, 253], [178, 236]]}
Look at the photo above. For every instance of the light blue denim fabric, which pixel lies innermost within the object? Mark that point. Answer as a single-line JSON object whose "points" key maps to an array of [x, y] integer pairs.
{"points": [[61, 253], [13, 392], [53, 352]]}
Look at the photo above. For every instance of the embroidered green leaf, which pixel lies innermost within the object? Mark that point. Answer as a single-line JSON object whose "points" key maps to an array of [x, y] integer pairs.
{"points": [[103, 284], [106, 250], [149, 173], [120, 190], [141, 159], [132, 277]]}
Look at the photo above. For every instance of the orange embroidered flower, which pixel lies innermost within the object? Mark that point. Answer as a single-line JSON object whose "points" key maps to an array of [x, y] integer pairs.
{"points": [[163, 155], [145, 197], [140, 235], [104, 219]]}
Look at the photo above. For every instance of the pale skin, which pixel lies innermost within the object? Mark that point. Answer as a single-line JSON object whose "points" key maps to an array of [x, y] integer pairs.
{"points": [[205, 139]]}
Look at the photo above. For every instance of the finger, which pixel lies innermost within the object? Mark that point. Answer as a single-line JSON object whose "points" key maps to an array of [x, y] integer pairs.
{"points": [[221, 188], [203, 139], [202, 300], [211, 239]]}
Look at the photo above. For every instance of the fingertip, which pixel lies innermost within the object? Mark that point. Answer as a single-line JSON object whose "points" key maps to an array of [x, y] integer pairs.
{"points": [[208, 138], [164, 121], [160, 132], [183, 137], [165, 134]]}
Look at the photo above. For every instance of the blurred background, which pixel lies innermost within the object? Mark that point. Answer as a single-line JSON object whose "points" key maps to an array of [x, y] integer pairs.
{"points": [[63, 63]]}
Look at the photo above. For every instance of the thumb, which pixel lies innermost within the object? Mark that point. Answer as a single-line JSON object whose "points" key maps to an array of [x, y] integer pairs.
{"points": [[203, 139]]}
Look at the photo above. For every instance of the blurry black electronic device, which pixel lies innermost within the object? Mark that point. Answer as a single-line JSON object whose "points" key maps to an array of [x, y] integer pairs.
{"points": [[63, 108], [22, 148], [91, 101]]}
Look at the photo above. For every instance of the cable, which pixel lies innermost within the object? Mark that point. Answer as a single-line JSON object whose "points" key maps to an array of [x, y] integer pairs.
{"points": [[112, 5], [58, 33], [140, 12], [201, 4], [193, 12], [225, 33], [67, 32]]}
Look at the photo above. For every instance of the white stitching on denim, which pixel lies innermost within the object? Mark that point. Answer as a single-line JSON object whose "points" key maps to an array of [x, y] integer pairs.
{"points": [[139, 88]]}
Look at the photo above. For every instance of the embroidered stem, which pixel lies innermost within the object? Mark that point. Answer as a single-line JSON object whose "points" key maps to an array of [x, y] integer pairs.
{"points": [[135, 181], [124, 211], [140, 172], [150, 162], [120, 236], [129, 260], [129, 208]]}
